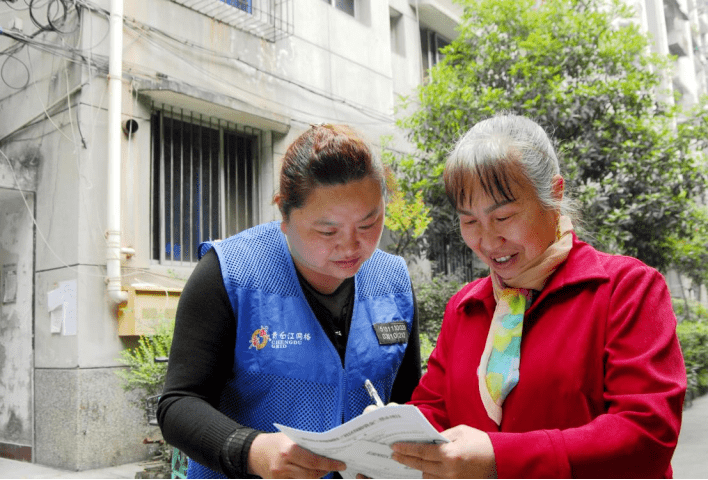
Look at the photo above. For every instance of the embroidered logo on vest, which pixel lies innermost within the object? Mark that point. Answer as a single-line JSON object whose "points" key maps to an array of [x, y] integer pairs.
{"points": [[260, 338], [289, 339]]}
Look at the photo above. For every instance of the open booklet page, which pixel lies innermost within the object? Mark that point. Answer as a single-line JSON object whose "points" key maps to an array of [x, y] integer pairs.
{"points": [[363, 442]]}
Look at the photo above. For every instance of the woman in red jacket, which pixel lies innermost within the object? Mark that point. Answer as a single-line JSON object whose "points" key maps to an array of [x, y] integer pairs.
{"points": [[564, 361]]}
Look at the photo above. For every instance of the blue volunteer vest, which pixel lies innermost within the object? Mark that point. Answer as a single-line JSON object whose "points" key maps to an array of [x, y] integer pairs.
{"points": [[286, 369]]}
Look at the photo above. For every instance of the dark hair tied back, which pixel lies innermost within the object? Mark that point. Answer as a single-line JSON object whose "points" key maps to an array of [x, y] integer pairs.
{"points": [[324, 155]]}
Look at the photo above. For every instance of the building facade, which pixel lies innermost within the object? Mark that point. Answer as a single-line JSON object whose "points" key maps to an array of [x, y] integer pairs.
{"points": [[129, 132]]}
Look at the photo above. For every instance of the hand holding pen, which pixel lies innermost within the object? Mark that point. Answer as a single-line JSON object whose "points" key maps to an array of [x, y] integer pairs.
{"points": [[373, 393]]}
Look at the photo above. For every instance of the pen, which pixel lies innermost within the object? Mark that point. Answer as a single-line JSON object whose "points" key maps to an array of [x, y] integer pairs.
{"points": [[373, 393]]}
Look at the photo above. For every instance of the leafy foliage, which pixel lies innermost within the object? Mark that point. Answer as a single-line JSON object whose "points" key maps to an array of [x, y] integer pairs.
{"points": [[693, 336], [143, 373], [691, 253], [407, 220], [407, 216], [583, 70], [432, 296]]}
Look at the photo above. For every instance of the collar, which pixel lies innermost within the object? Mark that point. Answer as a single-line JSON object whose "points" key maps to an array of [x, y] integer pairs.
{"points": [[582, 266]]}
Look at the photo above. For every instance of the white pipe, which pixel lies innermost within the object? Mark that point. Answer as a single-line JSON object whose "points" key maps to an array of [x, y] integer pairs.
{"points": [[115, 74]]}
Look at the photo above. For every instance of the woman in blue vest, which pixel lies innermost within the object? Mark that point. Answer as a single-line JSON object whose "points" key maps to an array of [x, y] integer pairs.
{"points": [[283, 323]]}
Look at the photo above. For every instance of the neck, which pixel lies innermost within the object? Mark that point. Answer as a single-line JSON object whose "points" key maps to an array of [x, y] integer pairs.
{"points": [[325, 284]]}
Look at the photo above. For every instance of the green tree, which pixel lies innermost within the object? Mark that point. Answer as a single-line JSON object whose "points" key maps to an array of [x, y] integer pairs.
{"points": [[407, 215], [586, 74]]}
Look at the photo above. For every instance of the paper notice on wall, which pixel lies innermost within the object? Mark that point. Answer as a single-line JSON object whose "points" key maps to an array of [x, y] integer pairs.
{"points": [[55, 306], [61, 304]]}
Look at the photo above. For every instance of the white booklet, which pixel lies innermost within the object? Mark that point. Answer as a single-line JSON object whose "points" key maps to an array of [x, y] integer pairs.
{"points": [[363, 443]]}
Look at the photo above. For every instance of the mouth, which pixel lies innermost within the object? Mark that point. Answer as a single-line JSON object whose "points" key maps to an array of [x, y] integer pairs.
{"points": [[502, 260], [349, 263]]}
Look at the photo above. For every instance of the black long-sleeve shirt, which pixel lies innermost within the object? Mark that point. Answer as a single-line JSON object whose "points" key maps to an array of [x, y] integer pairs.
{"points": [[201, 362]]}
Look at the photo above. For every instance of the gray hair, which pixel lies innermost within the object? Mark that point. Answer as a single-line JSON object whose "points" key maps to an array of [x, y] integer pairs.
{"points": [[500, 151]]}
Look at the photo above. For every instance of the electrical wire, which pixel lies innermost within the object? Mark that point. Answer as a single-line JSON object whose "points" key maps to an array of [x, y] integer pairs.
{"points": [[3, 72], [57, 14], [57, 19], [44, 107], [43, 237], [157, 37], [34, 220], [8, 2], [57, 22], [166, 41]]}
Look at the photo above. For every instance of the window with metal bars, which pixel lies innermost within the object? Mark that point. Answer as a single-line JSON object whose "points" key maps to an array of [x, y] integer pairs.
{"points": [[271, 20], [204, 185], [343, 5], [430, 44], [244, 5]]}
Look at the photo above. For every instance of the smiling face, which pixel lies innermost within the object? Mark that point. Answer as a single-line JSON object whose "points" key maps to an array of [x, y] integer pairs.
{"points": [[337, 229], [508, 234]]}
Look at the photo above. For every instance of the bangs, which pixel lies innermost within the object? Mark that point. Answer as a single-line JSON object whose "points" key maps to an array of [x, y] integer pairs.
{"points": [[497, 179]]}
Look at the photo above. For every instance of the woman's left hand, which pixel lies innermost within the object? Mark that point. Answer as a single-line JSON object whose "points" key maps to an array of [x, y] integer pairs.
{"points": [[469, 454]]}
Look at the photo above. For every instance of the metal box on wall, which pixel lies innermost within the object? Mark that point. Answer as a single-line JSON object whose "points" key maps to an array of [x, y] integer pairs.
{"points": [[147, 307]]}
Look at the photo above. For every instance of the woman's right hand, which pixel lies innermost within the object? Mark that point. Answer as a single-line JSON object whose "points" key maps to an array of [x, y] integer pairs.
{"points": [[374, 407], [274, 455]]}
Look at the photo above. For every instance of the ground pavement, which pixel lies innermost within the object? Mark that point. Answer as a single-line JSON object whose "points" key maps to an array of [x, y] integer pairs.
{"points": [[691, 456], [690, 459]]}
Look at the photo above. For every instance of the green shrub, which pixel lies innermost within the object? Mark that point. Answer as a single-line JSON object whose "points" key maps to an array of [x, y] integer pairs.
{"points": [[426, 348], [695, 312], [692, 331], [143, 373], [693, 337], [432, 296]]}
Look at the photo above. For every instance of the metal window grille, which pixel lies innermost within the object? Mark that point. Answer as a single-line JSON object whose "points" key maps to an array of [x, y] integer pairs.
{"points": [[271, 20], [244, 5], [343, 5], [430, 44], [205, 182]]}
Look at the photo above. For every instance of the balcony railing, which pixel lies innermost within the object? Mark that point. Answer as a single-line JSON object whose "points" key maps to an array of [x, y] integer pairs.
{"points": [[267, 19]]}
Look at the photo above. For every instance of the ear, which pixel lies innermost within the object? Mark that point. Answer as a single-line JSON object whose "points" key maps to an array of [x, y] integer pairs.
{"points": [[278, 200], [557, 188]]}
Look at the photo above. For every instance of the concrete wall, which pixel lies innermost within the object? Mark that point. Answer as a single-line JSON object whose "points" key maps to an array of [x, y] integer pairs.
{"points": [[85, 420], [16, 267]]}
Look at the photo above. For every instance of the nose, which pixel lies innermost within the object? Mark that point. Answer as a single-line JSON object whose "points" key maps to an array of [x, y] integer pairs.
{"points": [[350, 242], [490, 239]]}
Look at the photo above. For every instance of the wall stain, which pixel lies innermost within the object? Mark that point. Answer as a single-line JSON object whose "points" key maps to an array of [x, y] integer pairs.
{"points": [[25, 162], [3, 360], [14, 428]]}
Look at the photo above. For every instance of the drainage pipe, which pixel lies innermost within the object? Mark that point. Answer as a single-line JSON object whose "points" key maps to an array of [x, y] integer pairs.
{"points": [[113, 231]]}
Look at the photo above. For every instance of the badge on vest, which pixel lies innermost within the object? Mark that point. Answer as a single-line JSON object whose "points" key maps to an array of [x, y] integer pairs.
{"points": [[391, 332]]}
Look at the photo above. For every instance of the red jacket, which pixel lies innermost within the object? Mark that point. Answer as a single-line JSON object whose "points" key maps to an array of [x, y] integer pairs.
{"points": [[602, 378]]}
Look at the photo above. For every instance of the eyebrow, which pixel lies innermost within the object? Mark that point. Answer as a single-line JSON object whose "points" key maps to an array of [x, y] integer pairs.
{"points": [[327, 223], [487, 210]]}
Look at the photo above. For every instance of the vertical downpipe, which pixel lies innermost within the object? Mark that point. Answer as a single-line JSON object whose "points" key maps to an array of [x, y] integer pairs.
{"points": [[113, 232]]}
